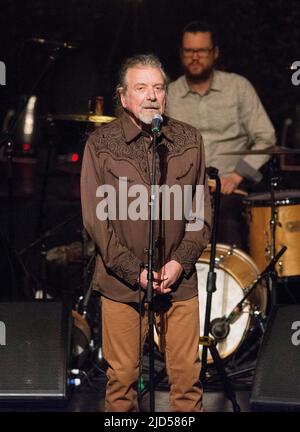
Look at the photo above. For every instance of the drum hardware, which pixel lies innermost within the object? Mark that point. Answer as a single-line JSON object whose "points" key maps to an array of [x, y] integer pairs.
{"points": [[50, 128], [220, 327], [40, 289], [89, 343], [219, 260], [81, 338], [260, 318], [274, 152], [208, 343], [88, 311], [287, 230], [230, 250], [236, 271]]}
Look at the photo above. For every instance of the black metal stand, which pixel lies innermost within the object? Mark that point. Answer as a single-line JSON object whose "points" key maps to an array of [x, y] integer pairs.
{"points": [[47, 234], [46, 171], [272, 279], [206, 341], [151, 247], [41, 281]]}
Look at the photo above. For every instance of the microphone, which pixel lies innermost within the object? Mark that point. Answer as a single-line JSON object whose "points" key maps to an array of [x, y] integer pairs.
{"points": [[156, 123], [58, 44], [220, 327]]}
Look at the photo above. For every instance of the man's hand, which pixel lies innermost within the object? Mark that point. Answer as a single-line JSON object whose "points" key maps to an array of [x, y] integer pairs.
{"points": [[144, 281], [169, 274], [230, 183]]}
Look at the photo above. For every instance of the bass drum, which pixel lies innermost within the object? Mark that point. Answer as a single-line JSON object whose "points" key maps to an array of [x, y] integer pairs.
{"points": [[235, 271]]}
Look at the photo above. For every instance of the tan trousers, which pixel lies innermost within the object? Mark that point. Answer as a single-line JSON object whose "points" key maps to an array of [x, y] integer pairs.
{"points": [[121, 350]]}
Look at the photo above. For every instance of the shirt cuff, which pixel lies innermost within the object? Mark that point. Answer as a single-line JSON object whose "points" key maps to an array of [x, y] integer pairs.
{"points": [[187, 260], [247, 171]]}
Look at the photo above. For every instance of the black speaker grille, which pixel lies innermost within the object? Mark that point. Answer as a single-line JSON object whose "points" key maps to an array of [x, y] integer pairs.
{"points": [[277, 377], [35, 356]]}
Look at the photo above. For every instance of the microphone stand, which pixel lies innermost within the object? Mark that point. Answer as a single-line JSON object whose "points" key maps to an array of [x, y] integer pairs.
{"points": [[237, 310], [150, 255], [274, 180], [206, 341]]}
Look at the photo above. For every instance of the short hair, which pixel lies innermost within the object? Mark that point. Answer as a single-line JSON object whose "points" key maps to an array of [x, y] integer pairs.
{"points": [[202, 27], [149, 60]]}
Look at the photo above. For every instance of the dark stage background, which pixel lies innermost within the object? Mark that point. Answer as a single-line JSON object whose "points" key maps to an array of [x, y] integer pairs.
{"points": [[42, 246], [259, 39]]}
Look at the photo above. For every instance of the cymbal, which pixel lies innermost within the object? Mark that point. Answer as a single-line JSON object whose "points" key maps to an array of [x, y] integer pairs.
{"points": [[274, 150], [88, 118]]}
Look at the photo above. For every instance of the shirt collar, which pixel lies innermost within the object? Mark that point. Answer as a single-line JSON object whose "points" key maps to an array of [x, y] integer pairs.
{"points": [[216, 82], [215, 85], [131, 131]]}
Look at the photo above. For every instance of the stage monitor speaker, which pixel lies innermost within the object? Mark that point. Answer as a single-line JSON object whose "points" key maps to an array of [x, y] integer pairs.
{"points": [[34, 351], [276, 384]]}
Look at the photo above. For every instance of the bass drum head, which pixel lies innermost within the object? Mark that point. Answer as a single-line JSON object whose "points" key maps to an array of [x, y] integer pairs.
{"points": [[235, 271]]}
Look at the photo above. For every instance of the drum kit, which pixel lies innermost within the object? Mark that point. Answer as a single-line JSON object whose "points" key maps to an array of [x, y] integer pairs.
{"points": [[236, 270], [273, 220]]}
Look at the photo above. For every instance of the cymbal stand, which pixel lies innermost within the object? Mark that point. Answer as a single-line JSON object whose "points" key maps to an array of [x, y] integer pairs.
{"points": [[45, 176], [206, 341], [274, 181]]}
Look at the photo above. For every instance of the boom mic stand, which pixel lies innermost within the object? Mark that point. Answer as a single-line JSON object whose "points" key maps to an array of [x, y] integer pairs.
{"points": [[206, 341]]}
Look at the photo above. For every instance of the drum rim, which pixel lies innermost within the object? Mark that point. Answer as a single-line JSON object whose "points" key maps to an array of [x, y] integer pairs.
{"points": [[248, 260], [228, 247]]}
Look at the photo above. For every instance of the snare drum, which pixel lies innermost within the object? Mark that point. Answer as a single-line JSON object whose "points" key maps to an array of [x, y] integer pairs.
{"points": [[287, 231], [235, 271]]}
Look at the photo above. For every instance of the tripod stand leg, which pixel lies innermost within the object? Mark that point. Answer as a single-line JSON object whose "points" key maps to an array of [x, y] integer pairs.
{"points": [[226, 382]]}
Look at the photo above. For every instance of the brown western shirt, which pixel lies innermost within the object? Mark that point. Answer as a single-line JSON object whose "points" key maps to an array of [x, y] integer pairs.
{"points": [[118, 155]]}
